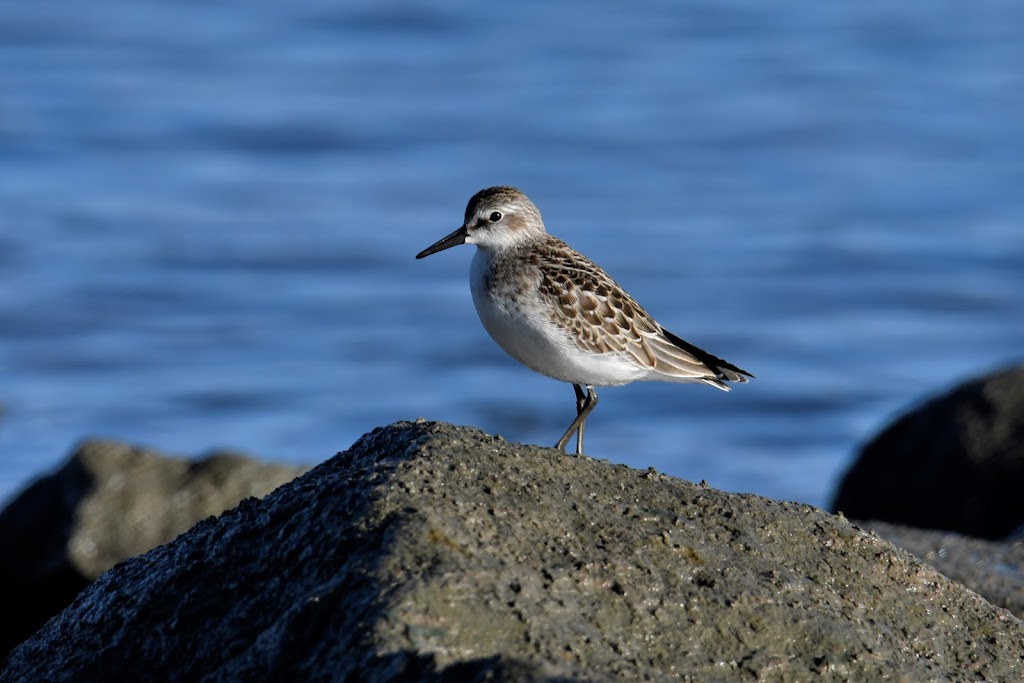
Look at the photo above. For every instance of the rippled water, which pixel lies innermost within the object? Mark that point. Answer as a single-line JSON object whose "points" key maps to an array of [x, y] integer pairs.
{"points": [[208, 214]]}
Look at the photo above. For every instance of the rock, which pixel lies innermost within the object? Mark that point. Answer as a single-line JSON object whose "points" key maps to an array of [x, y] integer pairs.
{"points": [[108, 502], [955, 463], [432, 552], [992, 569]]}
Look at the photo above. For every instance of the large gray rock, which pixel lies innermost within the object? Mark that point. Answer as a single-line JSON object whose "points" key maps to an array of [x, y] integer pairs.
{"points": [[431, 552], [954, 463], [108, 502]]}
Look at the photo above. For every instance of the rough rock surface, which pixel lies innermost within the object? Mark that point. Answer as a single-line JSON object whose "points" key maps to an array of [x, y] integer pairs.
{"points": [[108, 502], [992, 569], [954, 463], [431, 552]]}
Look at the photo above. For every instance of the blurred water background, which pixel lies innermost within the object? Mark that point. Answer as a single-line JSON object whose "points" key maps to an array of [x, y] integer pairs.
{"points": [[209, 211]]}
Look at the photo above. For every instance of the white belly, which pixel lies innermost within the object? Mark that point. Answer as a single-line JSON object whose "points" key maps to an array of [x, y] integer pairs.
{"points": [[523, 328]]}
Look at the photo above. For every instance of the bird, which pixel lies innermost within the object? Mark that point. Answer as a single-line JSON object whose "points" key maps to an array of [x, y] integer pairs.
{"points": [[558, 313]]}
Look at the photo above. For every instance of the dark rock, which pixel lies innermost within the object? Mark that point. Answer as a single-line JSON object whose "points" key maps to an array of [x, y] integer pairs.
{"points": [[955, 463], [108, 502], [431, 552], [992, 569]]}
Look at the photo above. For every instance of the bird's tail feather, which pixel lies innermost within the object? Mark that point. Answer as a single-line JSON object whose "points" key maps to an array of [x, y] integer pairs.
{"points": [[723, 369]]}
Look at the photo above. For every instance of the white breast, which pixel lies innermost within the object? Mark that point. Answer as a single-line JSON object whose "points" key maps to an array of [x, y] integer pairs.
{"points": [[518, 321]]}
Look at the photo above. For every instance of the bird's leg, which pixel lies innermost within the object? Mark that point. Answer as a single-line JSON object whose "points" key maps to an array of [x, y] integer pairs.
{"points": [[583, 407], [584, 404], [581, 403]]}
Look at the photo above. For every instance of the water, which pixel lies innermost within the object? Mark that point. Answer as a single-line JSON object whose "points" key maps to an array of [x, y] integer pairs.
{"points": [[209, 211]]}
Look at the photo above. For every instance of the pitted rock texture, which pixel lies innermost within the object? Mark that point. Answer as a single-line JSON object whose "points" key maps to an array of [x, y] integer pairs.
{"points": [[992, 569]]}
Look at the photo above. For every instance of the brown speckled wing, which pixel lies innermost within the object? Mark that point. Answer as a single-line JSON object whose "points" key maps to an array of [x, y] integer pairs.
{"points": [[603, 318]]}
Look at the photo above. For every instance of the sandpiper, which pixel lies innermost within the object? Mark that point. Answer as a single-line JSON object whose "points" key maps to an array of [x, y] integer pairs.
{"points": [[556, 312]]}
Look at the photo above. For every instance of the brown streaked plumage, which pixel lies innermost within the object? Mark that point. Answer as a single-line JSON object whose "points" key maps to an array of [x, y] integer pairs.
{"points": [[604, 318]]}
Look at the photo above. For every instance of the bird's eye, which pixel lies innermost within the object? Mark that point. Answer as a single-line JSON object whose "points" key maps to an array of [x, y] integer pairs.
{"points": [[495, 216]]}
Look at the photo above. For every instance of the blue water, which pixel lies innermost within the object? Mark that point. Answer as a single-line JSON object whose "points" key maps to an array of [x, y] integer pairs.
{"points": [[209, 211]]}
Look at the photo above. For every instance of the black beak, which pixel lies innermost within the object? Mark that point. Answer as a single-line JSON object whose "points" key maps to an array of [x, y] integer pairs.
{"points": [[453, 240]]}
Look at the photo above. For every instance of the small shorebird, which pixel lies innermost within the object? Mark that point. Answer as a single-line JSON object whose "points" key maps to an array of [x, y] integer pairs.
{"points": [[556, 312]]}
